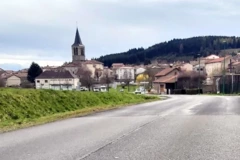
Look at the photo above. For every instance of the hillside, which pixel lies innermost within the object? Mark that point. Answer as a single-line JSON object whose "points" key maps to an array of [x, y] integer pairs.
{"points": [[176, 49]]}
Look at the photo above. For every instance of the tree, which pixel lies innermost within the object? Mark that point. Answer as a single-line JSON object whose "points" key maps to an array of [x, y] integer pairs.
{"points": [[34, 71], [127, 78], [151, 72], [189, 79], [85, 78], [106, 79], [147, 62], [98, 74]]}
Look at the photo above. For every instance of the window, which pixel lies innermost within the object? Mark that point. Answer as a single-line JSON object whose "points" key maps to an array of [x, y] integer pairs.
{"points": [[82, 51], [46, 81], [38, 81], [75, 51]]}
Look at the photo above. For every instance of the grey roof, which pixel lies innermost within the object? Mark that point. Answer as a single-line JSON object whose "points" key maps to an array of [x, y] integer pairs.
{"points": [[53, 74], [78, 40]]}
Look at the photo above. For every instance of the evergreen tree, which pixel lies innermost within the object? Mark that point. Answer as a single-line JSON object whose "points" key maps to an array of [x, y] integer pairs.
{"points": [[174, 50], [34, 71]]}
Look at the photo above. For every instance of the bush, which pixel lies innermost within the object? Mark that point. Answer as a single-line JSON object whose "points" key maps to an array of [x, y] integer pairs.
{"points": [[27, 85]]}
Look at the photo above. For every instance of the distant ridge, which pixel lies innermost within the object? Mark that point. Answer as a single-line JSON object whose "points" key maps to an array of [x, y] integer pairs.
{"points": [[176, 49]]}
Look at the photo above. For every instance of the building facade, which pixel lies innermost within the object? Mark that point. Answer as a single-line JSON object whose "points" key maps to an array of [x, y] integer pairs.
{"points": [[125, 72], [57, 80]]}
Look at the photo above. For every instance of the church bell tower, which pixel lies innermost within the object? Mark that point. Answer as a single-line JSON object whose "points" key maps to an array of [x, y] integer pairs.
{"points": [[78, 49]]}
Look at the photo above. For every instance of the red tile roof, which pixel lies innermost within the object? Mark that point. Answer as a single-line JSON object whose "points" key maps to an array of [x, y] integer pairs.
{"points": [[164, 72], [167, 79], [117, 64], [236, 63], [215, 60]]}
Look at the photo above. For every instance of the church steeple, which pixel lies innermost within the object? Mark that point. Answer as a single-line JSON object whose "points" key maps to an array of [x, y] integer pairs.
{"points": [[78, 49], [78, 40]]}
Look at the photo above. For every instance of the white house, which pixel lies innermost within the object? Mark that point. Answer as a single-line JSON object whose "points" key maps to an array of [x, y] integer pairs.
{"points": [[57, 80], [186, 67], [216, 66], [125, 72]]}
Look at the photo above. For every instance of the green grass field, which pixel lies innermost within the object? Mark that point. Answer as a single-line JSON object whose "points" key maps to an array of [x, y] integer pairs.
{"points": [[26, 107]]}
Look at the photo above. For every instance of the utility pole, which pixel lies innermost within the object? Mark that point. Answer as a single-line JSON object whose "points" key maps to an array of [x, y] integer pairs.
{"points": [[198, 73], [224, 69]]}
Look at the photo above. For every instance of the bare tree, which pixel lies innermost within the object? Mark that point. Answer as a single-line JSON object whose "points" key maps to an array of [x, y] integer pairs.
{"points": [[189, 79], [127, 78], [106, 79], [151, 75], [97, 74], [2, 82], [85, 77]]}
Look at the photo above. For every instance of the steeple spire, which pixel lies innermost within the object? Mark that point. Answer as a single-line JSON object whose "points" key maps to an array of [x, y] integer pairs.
{"points": [[77, 41]]}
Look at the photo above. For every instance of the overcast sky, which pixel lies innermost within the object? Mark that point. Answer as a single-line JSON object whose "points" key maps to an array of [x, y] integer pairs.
{"points": [[43, 30]]}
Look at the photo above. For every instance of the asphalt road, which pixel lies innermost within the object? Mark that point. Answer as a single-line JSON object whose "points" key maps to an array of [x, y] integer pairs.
{"points": [[180, 128]]}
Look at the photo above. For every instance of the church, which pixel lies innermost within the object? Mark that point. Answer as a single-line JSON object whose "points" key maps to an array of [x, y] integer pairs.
{"points": [[79, 58]]}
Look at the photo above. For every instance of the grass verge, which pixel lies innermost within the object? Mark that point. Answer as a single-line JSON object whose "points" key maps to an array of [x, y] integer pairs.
{"points": [[20, 108]]}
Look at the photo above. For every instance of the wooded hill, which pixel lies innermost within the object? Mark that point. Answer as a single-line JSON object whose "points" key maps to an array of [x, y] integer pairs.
{"points": [[173, 50]]}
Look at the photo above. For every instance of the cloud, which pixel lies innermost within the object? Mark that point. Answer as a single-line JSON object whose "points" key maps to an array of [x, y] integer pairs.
{"points": [[44, 30]]}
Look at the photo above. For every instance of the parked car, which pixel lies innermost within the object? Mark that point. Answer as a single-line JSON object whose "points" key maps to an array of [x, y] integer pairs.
{"points": [[83, 89], [96, 89], [140, 91], [103, 88]]}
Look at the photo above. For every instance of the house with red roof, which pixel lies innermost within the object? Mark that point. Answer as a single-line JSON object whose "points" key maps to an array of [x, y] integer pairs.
{"points": [[165, 80]]}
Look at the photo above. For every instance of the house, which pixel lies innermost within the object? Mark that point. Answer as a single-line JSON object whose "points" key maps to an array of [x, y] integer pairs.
{"points": [[57, 80], [15, 80], [125, 73], [216, 67], [200, 68], [117, 65], [186, 67], [165, 80], [236, 68], [47, 68], [93, 66]]}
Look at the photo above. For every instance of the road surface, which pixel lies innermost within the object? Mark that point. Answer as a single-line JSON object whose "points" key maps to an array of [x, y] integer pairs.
{"points": [[180, 128]]}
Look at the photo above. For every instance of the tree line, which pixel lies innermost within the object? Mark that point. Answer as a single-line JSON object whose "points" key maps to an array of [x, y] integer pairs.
{"points": [[173, 50]]}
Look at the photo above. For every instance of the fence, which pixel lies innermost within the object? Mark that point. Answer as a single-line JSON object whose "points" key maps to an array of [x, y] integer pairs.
{"points": [[232, 84]]}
